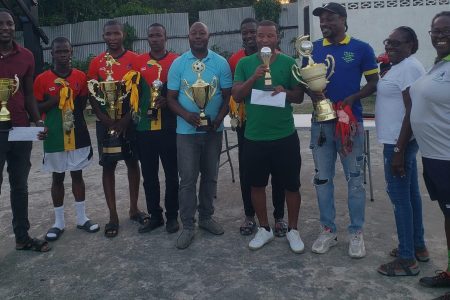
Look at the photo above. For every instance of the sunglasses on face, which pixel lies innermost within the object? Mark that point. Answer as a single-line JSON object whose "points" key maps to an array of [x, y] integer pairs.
{"points": [[394, 43]]}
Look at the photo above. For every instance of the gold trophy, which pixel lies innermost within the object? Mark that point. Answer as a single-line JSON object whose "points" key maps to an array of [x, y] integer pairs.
{"points": [[155, 92], [315, 77], [113, 92], [266, 54], [201, 92], [8, 87]]}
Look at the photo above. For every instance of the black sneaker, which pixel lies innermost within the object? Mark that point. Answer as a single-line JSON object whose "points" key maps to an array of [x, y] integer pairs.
{"points": [[172, 225], [442, 279], [152, 224]]}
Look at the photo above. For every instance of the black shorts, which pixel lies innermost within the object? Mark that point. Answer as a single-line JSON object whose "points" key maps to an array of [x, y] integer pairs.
{"points": [[281, 158], [436, 174], [129, 146]]}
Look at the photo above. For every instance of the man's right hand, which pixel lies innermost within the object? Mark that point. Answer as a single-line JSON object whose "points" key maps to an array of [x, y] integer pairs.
{"points": [[316, 96], [260, 72], [192, 118]]}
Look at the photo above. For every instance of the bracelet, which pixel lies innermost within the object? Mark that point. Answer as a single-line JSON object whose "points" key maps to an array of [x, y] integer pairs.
{"points": [[40, 123]]}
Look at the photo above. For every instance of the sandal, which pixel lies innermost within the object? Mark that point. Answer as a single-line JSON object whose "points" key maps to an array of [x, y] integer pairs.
{"points": [[248, 226], [141, 217], [111, 230], [87, 226], [55, 234], [34, 245], [281, 228], [399, 267], [421, 255]]}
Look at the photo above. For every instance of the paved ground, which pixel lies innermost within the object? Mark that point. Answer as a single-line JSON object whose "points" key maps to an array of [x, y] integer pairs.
{"points": [[148, 266]]}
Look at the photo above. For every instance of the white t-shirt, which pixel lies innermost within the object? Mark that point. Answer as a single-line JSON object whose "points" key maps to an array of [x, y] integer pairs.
{"points": [[389, 105], [430, 114]]}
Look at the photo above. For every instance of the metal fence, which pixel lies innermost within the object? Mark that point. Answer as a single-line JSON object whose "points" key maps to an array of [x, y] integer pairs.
{"points": [[223, 24]]}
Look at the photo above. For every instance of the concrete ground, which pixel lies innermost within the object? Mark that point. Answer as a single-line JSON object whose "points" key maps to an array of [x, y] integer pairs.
{"points": [[148, 266]]}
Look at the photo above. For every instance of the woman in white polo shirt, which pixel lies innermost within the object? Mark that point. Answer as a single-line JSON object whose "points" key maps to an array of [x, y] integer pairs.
{"points": [[430, 121], [392, 110]]}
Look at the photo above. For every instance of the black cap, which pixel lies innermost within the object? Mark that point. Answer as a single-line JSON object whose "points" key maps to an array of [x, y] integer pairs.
{"points": [[331, 7]]}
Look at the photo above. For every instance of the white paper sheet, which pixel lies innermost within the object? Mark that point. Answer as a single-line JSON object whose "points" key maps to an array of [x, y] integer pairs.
{"points": [[24, 134], [265, 98]]}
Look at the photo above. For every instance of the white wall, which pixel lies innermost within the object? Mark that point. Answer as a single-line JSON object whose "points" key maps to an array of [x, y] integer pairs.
{"points": [[373, 20]]}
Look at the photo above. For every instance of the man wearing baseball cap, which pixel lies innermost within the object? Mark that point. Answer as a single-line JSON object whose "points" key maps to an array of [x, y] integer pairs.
{"points": [[353, 58]]}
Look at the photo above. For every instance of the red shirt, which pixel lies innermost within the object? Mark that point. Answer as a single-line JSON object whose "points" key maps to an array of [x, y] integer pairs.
{"points": [[233, 60], [97, 67], [19, 62]]}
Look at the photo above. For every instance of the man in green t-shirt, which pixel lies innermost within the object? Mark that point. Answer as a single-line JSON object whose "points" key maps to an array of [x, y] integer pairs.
{"points": [[272, 144]]}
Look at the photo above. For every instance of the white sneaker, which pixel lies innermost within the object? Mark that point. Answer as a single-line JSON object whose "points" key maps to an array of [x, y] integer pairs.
{"points": [[295, 241], [356, 248], [325, 241], [261, 238]]}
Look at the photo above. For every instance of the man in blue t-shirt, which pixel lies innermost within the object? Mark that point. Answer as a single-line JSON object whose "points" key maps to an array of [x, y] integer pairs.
{"points": [[198, 151], [353, 58]]}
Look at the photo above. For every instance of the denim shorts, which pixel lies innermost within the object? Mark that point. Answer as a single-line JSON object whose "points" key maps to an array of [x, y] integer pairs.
{"points": [[436, 174], [279, 158]]}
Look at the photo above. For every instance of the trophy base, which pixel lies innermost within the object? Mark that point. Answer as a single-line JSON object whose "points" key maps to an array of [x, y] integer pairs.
{"points": [[324, 111], [205, 124], [112, 149], [152, 114], [5, 125]]}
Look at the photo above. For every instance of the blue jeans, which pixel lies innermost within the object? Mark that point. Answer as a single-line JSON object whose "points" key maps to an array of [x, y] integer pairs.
{"points": [[325, 161], [405, 196], [197, 154]]}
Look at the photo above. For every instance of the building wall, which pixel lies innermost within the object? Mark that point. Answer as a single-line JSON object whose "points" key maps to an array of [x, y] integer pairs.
{"points": [[373, 20]]}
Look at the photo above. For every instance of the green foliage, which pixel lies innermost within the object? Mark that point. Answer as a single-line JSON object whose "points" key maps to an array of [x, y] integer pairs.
{"points": [[82, 65], [221, 52], [130, 36], [267, 10]]}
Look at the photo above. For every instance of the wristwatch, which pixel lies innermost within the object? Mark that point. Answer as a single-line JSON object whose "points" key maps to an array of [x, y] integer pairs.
{"points": [[397, 149], [39, 123]]}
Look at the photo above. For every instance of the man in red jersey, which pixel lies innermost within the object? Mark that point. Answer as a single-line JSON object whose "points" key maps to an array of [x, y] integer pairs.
{"points": [[18, 62], [62, 94], [237, 110], [156, 131], [113, 35]]}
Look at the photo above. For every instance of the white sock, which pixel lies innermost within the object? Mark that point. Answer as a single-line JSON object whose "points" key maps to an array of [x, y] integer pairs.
{"points": [[81, 212], [59, 217]]}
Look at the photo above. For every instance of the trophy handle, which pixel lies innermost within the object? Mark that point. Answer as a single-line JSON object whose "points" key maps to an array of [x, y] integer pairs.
{"points": [[124, 94], [296, 73], [213, 87], [329, 62], [92, 85], [187, 90], [16, 85]]}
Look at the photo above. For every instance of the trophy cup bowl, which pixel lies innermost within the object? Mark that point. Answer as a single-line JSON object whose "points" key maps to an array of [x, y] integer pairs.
{"points": [[113, 94], [8, 87], [155, 92], [314, 77], [266, 54], [201, 92]]}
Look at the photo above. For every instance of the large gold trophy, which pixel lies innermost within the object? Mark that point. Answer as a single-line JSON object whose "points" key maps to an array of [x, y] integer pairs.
{"points": [[8, 87], [113, 92], [201, 92], [155, 92], [314, 76], [266, 55]]}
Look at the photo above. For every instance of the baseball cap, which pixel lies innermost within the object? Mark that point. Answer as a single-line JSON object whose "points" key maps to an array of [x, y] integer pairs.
{"points": [[332, 7]]}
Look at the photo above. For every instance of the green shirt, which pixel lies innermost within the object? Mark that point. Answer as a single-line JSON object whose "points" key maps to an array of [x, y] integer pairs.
{"points": [[267, 123]]}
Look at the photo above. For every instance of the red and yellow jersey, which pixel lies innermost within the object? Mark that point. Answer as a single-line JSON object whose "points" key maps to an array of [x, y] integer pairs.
{"points": [[236, 109], [97, 67], [149, 69], [69, 90]]}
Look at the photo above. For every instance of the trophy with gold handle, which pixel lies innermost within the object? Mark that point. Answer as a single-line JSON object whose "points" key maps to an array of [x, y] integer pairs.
{"points": [[8, 87], [155, 92], [201, 92], [266, 55], [314, 76], [110, 93]]}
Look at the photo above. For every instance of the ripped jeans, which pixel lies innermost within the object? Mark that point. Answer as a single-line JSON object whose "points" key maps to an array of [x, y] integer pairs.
{"points": [[324, 156]]}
